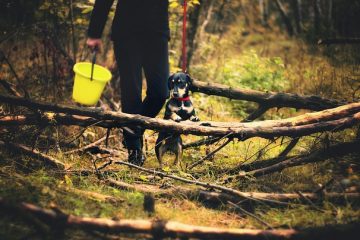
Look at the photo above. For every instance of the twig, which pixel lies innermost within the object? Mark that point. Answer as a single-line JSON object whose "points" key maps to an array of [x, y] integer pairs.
{"points": [[289, 147], [15, 75], [210, 154], [310, 202], [55, 163], [105, 165], [89, 145], [322, 188], [257, 113], [206, 141], [250, 214], [319, 155], [11, 89]]}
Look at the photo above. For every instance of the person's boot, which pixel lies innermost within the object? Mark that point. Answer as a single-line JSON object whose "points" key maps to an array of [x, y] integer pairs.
{"points": [[133, 141], [136, 157]]}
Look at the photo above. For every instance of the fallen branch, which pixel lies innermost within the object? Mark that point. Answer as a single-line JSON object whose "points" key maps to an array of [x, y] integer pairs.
{"points": [[210, 154], [89, 146], [327, 120], [48, 160], [319, 155], [250, 214], [201, 194], [161, 229], [198, 183], [265, 99], [9, 88], [94, 195]]}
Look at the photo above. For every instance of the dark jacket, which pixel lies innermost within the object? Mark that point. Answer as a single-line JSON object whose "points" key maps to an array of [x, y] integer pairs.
{"points": [[131, 16]]}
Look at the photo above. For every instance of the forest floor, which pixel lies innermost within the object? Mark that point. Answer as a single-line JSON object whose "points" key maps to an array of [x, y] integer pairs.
{"points": [[24, 179]]}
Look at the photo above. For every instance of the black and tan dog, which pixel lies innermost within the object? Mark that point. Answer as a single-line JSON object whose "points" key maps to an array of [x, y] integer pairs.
{"points": [[178, 108]]}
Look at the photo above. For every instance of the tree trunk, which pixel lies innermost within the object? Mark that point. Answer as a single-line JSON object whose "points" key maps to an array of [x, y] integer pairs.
{"points": [[285, 18], [264, 12], [298, 15], [317, 17], [191, 33]]}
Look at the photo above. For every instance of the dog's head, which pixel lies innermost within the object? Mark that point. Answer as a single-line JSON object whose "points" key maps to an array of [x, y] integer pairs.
{"points": [[179, 85]]}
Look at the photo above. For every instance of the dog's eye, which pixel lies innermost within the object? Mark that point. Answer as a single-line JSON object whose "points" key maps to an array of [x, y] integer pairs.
{"points": [[173, 80]]}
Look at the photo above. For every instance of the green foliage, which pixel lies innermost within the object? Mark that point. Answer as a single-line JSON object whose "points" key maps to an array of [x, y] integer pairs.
{"points": [[249, 70], [176, 4], [255, 72]]}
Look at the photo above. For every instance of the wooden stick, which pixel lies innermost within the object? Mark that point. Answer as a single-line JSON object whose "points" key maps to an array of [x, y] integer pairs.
{"points": [[250, 214], [89, 145], [161, 229], [319, 155], [268, 99], [201, 194], [48, 160], [210, 154], [10, 88]]}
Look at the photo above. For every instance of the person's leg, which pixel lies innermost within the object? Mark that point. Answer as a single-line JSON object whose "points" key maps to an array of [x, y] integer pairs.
{"points": [[129, 59], [156, 69]]}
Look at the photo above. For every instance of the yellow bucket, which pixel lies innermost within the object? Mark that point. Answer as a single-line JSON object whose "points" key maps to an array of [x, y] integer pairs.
{"points": [[87, 91]]}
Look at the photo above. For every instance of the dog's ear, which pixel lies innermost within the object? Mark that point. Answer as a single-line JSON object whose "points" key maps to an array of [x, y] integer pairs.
{"points": [[189, 80], [169, 80]]}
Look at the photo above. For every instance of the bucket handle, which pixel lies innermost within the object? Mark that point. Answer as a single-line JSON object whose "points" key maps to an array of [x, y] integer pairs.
{"points": [[93, 60]]}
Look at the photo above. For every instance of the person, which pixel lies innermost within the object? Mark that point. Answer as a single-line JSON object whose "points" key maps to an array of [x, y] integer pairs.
{"points": [[140, 35]]}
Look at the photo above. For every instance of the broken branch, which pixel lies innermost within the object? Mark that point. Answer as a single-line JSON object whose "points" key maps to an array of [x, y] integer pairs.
{"points": [[327, 120], [161, 229]]}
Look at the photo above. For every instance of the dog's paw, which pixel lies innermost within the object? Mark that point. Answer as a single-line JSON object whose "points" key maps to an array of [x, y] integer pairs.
{"points": [[194, 119], [178, 119]]}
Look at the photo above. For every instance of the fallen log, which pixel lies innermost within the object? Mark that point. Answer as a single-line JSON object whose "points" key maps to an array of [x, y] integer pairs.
{"points": [[319, 155], [265, 99], [326, 120], [160, 229]]}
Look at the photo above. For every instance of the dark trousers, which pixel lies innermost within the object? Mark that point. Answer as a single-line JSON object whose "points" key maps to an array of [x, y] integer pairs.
{"points": [[134, 53]]}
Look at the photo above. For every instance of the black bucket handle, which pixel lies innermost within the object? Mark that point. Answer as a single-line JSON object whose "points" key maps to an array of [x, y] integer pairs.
{"points": [[93, 61]]}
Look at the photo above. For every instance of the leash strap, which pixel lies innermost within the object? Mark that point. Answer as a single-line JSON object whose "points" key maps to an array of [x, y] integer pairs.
{"points": [[184, 57]]}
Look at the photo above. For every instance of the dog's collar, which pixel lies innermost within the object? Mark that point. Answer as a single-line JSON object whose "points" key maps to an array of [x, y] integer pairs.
{"points": [[183, 99]]}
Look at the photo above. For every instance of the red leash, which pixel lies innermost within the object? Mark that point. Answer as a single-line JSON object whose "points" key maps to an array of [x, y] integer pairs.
{"points": [[184, 57]]}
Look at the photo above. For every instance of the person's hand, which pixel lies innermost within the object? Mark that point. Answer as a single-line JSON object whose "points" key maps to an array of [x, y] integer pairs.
{"points": [[94, 43]]}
